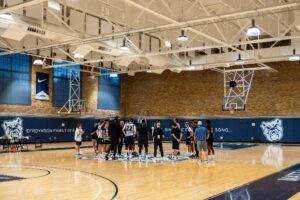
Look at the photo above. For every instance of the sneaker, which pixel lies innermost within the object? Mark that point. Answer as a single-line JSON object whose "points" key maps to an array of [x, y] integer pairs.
{"points": [[100, 157], [106, 157], [114, 158]]}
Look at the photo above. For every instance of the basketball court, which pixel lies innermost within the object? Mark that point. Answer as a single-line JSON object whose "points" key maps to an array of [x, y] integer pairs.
{"points": [[90, 89]]}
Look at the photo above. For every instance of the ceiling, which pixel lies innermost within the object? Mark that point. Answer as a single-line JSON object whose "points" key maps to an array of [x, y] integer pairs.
{"points": [[56, 30]]}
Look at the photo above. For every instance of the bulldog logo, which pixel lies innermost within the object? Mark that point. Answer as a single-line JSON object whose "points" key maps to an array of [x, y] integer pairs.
{"points": [[273, 130]]}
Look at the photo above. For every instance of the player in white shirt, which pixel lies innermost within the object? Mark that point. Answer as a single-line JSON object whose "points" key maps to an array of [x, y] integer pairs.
{"points": [[129, 131], [78, 139], [189, 136]]}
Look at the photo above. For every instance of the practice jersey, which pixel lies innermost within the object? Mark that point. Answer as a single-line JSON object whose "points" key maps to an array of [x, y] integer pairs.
{"points": [[77, 136], [188, 132], [100, 129], [104, 133], [129, 129]]}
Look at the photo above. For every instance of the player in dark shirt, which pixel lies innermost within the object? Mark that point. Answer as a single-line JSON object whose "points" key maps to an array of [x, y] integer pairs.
{"points": [[114, 134], [94, 136], [158, 137], [176, 138], [143, 132], [194, 126], [210, 140], [121, 139]]}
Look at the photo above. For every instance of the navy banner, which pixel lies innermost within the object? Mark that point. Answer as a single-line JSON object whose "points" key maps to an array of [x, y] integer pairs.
{"points": [[42, 86], [51, 129]]}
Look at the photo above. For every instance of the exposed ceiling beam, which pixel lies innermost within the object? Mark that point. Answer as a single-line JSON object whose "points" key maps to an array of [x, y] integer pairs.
{"points": [[205, 20], [167, 52], [20, 6], [170, 20]]}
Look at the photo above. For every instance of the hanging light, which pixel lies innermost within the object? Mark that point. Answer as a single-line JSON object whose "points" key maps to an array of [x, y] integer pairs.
{"points": [[124, 46], [253, 31], [294, 57], [38, 61], [190, 67], [182, 37], [239, 61]]}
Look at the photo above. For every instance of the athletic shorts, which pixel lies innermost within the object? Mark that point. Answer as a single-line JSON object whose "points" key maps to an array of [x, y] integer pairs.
{"points": [[100, 141], [94, 136], [202, 145], [106, 142], [188, 141], [210, 142], [129, 142], [78, 143], [175, 144]]}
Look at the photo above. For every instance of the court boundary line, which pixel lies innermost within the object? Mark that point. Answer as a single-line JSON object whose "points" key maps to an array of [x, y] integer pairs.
{"points": [[94, 174], [15, 166]]}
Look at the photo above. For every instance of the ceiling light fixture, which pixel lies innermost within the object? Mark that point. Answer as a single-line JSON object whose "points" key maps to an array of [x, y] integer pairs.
{"points": [[239, 61], [253, 31], [190, 67], [294, 57], [182, 37], [124, 46], [38, 61]]}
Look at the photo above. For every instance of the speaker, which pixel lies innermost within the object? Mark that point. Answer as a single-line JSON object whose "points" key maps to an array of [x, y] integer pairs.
{"points": [[232, 84]]}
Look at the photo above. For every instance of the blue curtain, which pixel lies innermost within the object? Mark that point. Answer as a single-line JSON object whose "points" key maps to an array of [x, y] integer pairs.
{"points": [[61, 78], [109, 91], [15, 79]]}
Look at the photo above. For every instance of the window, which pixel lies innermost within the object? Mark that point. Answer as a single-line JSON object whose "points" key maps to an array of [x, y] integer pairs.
{"points": [[109, 91], [61, 81], [15, 79]]}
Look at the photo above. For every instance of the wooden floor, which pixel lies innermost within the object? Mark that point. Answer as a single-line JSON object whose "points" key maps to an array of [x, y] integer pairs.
{"points": [[58, 175]]}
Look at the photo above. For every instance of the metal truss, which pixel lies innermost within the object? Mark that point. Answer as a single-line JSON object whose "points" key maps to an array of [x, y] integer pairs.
{"points": [[236, 97], [74, 105]]}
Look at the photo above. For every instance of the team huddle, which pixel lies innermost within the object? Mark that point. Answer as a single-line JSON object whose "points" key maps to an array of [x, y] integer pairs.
{"points": [[109, 137]]}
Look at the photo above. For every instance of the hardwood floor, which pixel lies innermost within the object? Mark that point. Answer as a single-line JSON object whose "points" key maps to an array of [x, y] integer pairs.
{"points": [[58, 175]]}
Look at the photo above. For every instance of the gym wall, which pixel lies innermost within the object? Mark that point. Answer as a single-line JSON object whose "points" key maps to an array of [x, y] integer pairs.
{"points": [[200, 93], [89, 93]]}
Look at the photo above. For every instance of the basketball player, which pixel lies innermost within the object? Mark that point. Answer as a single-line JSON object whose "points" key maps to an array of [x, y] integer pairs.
{"points": [[201, 135], [100, 139], [194, 126], [158, 137], [189, 135], [129, 131], [143, 132], [121, 139], [78, 139], [176, 138], [210, 140], [176, 122], [94, 136], [114, 134], [105, 141]]}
